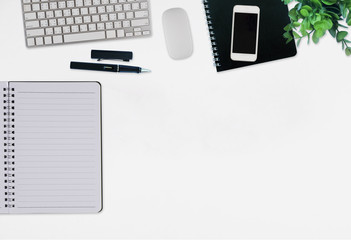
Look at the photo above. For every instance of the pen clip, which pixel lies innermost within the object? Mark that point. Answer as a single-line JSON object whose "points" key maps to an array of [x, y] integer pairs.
{"points": [[111, 55]]}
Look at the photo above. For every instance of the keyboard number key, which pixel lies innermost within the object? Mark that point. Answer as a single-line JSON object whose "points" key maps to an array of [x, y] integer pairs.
{"points": [[62, 4]]}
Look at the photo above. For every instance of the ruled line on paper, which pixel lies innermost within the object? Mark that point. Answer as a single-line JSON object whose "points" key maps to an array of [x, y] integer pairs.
{"points": [[62, 207], [22, 92]]}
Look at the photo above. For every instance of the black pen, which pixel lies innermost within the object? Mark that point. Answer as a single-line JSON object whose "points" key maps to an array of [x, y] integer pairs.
{"points": [[108, 67]]}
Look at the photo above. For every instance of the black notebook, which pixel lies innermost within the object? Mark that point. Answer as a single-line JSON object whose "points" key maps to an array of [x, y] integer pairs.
{"points": [[271, 43], [51, 144]]}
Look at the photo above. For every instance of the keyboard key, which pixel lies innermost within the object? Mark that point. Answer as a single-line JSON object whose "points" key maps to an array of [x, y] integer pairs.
{"points": [[48, 40], [66, 29], [84, 36], [57, 39], [49, 31], [53, 5], [39, 41], [92, 27], [141, 14], [27, 8], [35, 7], [41, 15], [100, 26], [62, 4], [44, 6], [83, 28], [30, 42], [141, 22], [111, 34], [58, 30], [30, 16], [32, 24], [120, 33], [75, 28], [126, 24], [35, 32], [143, 5]]}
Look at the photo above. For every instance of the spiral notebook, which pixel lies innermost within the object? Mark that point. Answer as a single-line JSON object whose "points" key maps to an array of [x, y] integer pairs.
{"points": [[51, 142], [271, 44]]}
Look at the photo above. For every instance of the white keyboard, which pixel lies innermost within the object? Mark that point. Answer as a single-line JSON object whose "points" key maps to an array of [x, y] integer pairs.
{"points": [[49, 22]]}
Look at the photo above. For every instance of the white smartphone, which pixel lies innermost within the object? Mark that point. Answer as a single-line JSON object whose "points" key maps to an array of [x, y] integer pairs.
{"points": [[246, 24]]}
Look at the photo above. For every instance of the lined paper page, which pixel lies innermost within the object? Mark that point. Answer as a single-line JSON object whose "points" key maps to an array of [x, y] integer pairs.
{"points": [[58, 147], [3, 85]]}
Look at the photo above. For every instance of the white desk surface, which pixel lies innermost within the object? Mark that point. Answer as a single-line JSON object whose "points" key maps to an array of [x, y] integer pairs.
{"points": [[258, 152]]}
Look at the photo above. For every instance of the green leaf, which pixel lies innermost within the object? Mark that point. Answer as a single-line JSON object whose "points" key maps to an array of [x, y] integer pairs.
{"points": [[296, 35], [329, 2], [287, 35], [323, 25], [293, 14], [348, 19], [316, 3], [299, 41], [343, 26], [315, 37], [343, 9], [308, 8], [320, 33], [304, 12], [334, 15], [341, 35], [348, 51], [299, 6], [332, 32], [287, 28], [297, 24]]}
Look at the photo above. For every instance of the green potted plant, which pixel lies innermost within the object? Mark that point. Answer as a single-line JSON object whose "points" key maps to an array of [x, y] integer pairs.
{"points": [[312, 19]]}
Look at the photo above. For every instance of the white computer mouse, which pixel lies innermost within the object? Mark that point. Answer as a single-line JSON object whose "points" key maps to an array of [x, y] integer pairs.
{"points": [[176, 27]]}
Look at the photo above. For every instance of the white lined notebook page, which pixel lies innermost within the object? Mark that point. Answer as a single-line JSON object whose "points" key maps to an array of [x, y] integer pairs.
{"points": [[58, 147], [3, 178]]}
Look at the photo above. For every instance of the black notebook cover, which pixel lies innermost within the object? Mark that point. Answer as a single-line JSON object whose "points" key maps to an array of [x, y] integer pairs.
{"points": [[271, 44]]}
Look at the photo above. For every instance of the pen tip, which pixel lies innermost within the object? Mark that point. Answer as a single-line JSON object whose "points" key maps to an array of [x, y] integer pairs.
{"points": [[143, 70]]}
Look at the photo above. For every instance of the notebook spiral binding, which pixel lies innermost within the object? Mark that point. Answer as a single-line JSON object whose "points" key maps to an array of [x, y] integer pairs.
{"points": [[216, 59], [9, 146]]}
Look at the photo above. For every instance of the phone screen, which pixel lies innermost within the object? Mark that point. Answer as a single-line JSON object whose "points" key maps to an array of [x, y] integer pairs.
{"points": [[245, 33]]}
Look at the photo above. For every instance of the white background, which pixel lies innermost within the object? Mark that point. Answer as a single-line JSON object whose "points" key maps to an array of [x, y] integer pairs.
{"points": [[258, 152]]}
